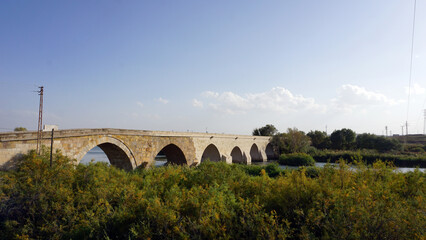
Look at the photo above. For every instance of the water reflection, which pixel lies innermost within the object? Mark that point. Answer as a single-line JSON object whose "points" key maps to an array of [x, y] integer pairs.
{"points": [[160, 160]]}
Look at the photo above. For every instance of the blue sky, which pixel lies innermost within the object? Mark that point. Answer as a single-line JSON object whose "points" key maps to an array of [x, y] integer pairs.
{"points": [[224, 66]]}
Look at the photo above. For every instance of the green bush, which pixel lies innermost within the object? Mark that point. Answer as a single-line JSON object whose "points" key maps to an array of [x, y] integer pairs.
{"points": [[272, 169], [369, 157], [312, 172], [296, 159], [417, 150], [210, 201]]}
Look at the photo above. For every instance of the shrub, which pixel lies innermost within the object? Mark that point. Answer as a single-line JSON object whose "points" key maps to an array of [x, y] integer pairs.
{"points": [[297, 159], [417, 150], [20, 129], [312, 172], [399, 160], [210, 201], [273, 170]]}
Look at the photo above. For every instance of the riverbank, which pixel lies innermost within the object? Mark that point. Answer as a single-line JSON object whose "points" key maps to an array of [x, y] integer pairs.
{"points": [[398, 160]]}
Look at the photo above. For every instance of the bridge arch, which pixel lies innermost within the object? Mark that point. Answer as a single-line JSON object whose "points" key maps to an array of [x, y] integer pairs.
{"points": [[270, 153], [255, 154], [212, 153], [237, 155], [118, 154], [173, 154]]}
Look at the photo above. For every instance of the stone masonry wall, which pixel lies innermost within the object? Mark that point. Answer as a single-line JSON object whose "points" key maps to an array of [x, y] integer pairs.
{"points": [[139, 148]]}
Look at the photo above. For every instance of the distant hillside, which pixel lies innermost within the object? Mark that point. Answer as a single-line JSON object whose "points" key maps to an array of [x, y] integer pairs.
{"points": [[412, 139]]}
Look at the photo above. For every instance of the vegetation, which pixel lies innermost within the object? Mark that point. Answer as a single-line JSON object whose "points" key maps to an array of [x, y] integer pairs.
{"points": [[319, 139], [415, 148], [20, 129], [297, 159], [346, 144], [379, 143], [211, 201], [411, 139], [369, 157], [267, 130], [343, 139], [293, 141]]}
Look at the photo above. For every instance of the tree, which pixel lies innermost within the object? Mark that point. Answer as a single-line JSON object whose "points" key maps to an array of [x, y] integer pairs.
{"points": [[267, 130], [379, 143], [20, 129], [292, 141], [343, 139], [319, 139]]}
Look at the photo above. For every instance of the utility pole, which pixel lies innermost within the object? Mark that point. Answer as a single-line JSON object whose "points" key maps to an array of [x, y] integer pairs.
{"points": [[51, 148], [40, 120], [402, 130], [406, 127], [386, 127]]}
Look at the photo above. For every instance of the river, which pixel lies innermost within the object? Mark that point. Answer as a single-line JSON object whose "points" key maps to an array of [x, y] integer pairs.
{"points": [[99, 156]]}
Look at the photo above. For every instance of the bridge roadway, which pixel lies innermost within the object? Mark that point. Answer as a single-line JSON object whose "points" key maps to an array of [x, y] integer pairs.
{"points": [[128, 149]]}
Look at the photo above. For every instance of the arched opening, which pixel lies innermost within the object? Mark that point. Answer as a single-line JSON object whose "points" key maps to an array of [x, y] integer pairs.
{"points": [[171, 154], [237, 155], [211, 153], [96, 155], [255, 154], [160, 160], [110, 153], [270, 153]]}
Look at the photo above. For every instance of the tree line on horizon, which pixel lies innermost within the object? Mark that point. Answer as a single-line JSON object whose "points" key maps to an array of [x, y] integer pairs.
{"points": [[295, 140]]}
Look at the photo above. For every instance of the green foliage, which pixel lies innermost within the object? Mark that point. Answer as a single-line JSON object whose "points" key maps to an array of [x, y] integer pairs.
{"points": [[20, 129], [369, 157], [379, 143], [267, 130], [210, 201], [343, 139], [415, 148], [296, 159], [292, 141], [319, 139]]}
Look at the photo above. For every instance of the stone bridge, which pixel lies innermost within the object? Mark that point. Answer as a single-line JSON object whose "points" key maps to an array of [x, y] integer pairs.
{"points": [[128, 149]]}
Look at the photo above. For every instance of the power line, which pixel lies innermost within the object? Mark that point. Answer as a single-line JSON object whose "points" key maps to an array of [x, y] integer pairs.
{"points": [[411, 64]]}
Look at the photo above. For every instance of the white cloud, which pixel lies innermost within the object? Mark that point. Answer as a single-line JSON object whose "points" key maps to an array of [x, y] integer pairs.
{"points": [[278, 99], [162, 100], [139, 104], [281, 100], [210, 94], [351, 96], [197, 103]]}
